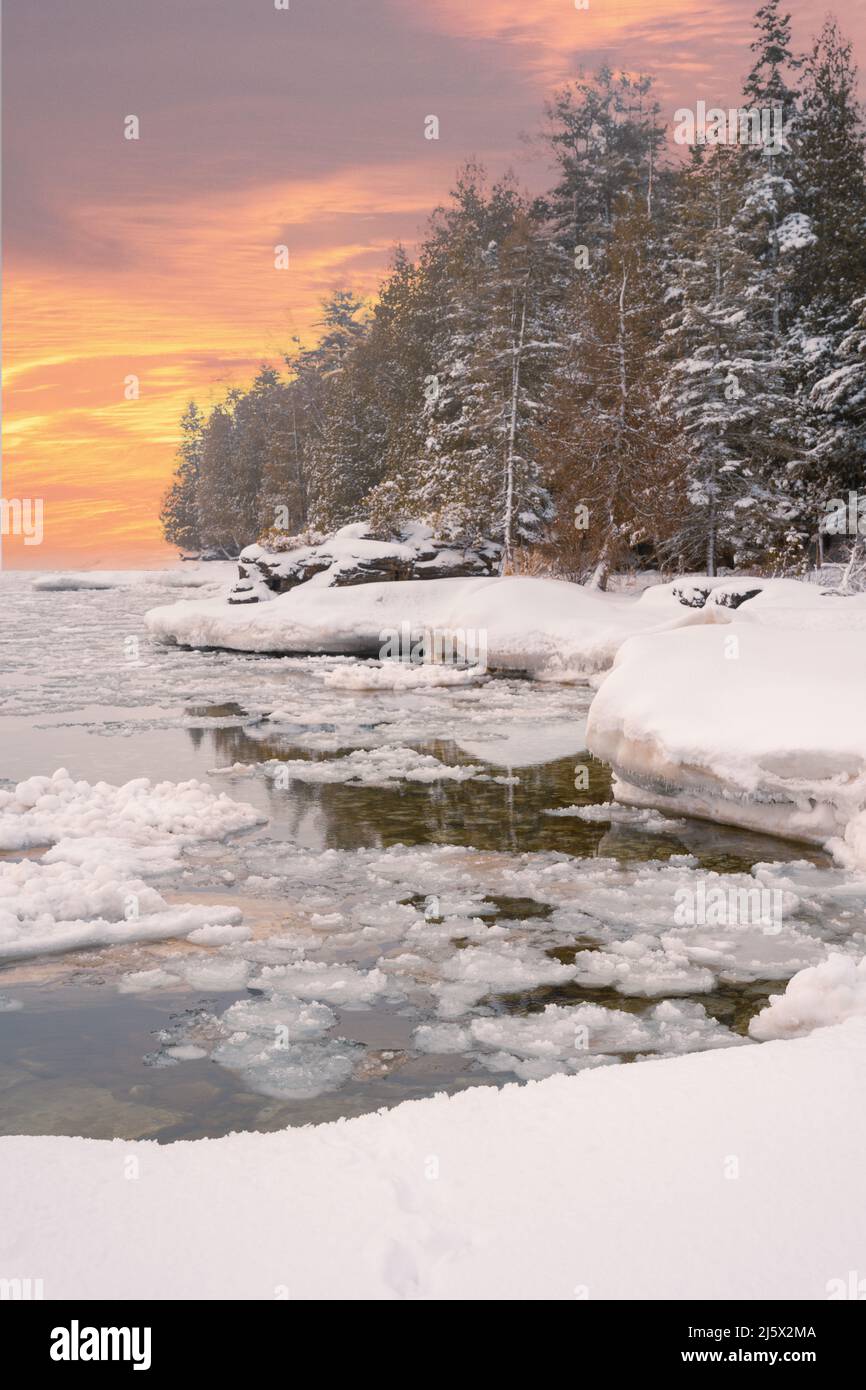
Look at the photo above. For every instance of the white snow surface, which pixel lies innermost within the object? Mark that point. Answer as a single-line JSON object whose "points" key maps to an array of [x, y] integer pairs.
{"points": [[186, 576], [397, 675], [756, 719], [822, 995], [547, 627], [507, 1193], [739, 699], [614, 1183]]}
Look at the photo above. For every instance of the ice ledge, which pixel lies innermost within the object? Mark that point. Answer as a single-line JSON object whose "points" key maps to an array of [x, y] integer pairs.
{"points": [[742, 723]]}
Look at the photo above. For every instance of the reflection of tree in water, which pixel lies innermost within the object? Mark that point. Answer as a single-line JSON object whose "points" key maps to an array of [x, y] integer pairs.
{"points": [[482, 814]]}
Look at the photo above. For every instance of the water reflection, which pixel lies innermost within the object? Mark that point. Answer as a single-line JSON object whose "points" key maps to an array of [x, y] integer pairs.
{"points": [[485, 815], [74, 1056]]}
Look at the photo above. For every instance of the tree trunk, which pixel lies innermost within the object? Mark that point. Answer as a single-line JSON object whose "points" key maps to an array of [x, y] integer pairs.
{"points": [[600, 575], [516, 354]]}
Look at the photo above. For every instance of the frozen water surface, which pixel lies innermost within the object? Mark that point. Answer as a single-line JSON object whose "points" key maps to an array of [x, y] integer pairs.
{"points": [[430, 888]]}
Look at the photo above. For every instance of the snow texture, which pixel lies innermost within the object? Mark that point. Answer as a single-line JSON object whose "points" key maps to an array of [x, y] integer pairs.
{"points": [[501, 1194], [88, 888]]}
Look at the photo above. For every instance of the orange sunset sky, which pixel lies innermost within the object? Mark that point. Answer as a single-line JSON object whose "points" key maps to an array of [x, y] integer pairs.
{"points": [[258, 127]]}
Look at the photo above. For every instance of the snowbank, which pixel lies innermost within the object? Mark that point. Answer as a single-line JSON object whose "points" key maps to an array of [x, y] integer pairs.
{"points": [[546, 627], [823, 995], [689, 1178], [188, 576], [749, 721]]}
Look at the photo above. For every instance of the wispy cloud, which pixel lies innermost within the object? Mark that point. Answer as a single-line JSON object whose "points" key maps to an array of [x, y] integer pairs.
{"points": [[259, 127]]}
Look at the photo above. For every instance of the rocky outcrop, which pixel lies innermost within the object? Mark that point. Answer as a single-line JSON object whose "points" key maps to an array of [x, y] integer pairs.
{"points": [[730, 593], [352, 556]]}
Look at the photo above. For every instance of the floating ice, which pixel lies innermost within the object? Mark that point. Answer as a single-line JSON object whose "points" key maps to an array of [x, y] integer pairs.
{"points": [[88, 888], [43, 810], [609, 813], [335, 984], [570, 1039], [63, 907], [398, 675]]}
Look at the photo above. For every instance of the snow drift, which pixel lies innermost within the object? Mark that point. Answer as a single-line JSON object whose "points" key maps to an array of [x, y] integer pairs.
{"points": [[616, 1183], [755, 719], [546, 627]]}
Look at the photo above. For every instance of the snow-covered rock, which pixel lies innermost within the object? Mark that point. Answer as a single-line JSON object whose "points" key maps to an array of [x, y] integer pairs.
{"points": [[352, 556], [756, 719]]}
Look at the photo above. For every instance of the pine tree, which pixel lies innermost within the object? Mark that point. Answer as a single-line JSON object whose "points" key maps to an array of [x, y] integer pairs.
{"points": [[767, 83], [606, 138], [831, 164], [829, 335], [179, 512], [701, 340], [342, 437], [679, 350], [282, 496], [614, 459], [482, 299], [221, 527]]}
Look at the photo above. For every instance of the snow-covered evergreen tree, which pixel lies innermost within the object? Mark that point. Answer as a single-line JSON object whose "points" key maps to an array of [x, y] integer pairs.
{"points": [[828, 337], [282, 494], [646, 333], [606, 136], [345, 443], [615, 460], [483, 303], [179, 512], [221, 526], [740, 226], [773, 230], [709, 377]]}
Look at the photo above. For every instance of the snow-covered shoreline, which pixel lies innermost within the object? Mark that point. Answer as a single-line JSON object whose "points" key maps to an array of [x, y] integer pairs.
{"points": [[676, 1179], [757, 720], [547, 628], [738, 701]]}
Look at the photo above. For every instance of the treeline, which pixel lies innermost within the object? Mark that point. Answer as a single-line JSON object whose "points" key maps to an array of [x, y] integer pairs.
{"points": [[661, 357]]}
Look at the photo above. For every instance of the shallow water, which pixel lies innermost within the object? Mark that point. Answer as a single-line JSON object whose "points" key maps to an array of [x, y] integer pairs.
{"points": [[79, 1056]]}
